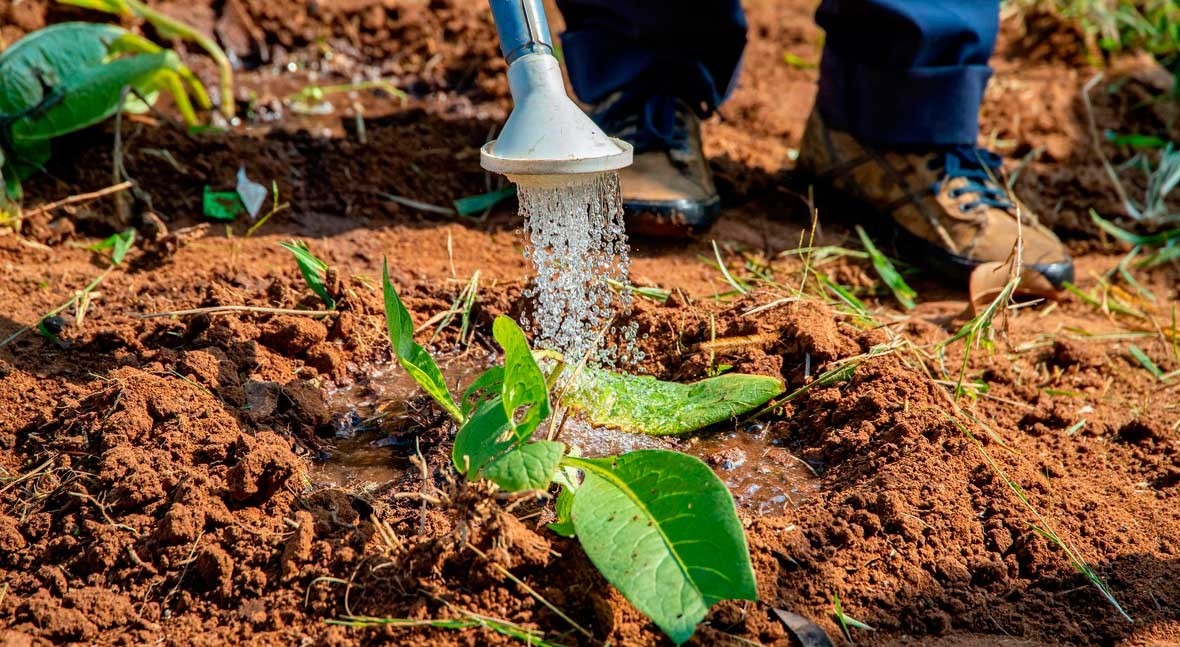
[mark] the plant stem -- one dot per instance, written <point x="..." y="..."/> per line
<point x="220" y="310"/>
<point x="186" y="32"/>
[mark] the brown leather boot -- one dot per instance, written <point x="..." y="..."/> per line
<point x="946" y="205"/>
<point x="668" y="192"/>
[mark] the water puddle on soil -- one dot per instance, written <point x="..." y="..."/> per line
<point x="368" y="452"/>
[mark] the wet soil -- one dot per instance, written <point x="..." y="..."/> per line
<point x="211" y="479"/>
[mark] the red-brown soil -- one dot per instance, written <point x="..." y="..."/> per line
<point x="158" y="476"/>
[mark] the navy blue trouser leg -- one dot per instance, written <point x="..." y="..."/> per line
<point x="906" y="71"/>
<point x="893" y="71"/>
<point x="689" y="49"/>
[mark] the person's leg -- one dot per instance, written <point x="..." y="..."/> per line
<point x="651" y="69"/>
<point x="906" y="71"/>
<point x="688" y="49"/>
<point x="896" y="122"/>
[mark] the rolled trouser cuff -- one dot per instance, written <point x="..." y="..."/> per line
<point x="911" y="106"/>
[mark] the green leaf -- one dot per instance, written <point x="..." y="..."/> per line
<point x="490" y="381"/>
<point x="904" y="294"/>
<point x="484" y="435"/>
<point x="12" y="188"/>
<point x="225" y="206"/>
<point x="564" y="507"/>
<point x="528" y="467"/>
<point x="87" y="98"/>
<point x="474" y="204"/>
<point x="313" y="269"/>
<point x="525" y="392"/>
<point x="412" y="357"/>
<point x="644" y="404"/>
<point x="661" y="527"/>
<point x="34" y="66"/>
<point x="120" y="243"/>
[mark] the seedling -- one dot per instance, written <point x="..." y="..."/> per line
<point x="846" y="621"/>
<point x="659" y="525"/>
<point x="69" y="76"/>
<point x="978" y="332"/>
<point x="313" y="269"/>
<point x="48" y="324"/>
<point x="310" y="97"/>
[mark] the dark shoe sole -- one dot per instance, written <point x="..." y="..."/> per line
<point x="670" y="219"/>
<point x="950" y="267"/>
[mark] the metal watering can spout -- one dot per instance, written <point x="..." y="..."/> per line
<point x="546" y="134"/>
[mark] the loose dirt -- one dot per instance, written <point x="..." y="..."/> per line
<point x="186" y="481"/>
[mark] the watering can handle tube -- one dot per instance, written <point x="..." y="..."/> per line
<point x="522" y="28"/>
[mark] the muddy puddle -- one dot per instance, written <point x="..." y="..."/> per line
<point x="371" y="450"/>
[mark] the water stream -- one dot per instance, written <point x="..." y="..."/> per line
<point x="573" y="226"/>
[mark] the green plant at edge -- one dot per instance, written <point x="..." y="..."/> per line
<point x="72" y="75"/>
<point x="171" y="28"/>
<point x="659" y="525"/>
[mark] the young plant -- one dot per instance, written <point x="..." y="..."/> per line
<point x="314" y="271"/>
<point x="73" y="75"/>
<point x="659" y="525"/>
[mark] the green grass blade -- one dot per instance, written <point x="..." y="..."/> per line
<point x="901" y="290"/>
<point x="1143" y="359"/>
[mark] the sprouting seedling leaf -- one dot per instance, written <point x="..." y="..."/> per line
<point x="313" y="269"/>
<point x="1146" y="362"/>
<point x="639" y="519"/>
<point x="647" y="405"/>
<point x="528" y="467"/>
<point x="225" y="206"/>
<point x="119" y="243"/>
<point x="845" y="621"/>
<point x="901" y="290"/>
<point x="490" y="381"/>
<point x="474" y="204"/>
<point x="524" y="390"/>
<point x="484" y="435"/>
<point x="563" y="508"/>
<point x="412" y="357"/>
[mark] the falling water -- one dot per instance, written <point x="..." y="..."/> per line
<point x="578" y="247"/>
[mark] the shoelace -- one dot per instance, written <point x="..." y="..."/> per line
<point x="660" y="124"/>
<point x="980" y="168"/>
